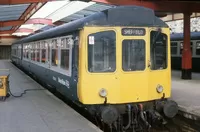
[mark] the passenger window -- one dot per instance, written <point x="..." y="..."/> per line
<point x="43" y="52"/>
<point x="27" y="51"/>
<point x="174" y="48"/>
<point x="33" y="52"/>
<point x="181" y="47"/>
<point x="19" y="50"/>
<point x="65" y="49"/>
<point x="133" y="55"/>
<point x="198" y="48"/>
<point x="102" y="52"/>
<point x="54" y="53"/>
<point x="37" y="52"/>
<point x="24" y="51"/>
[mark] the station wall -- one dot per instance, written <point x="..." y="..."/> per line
<point x="5" y="47"/>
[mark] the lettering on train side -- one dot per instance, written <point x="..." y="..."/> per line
<point x="63" y="82"/>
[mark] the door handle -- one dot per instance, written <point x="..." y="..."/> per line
<point x="149" y="63"/>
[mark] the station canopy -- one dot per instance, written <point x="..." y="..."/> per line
<point x="26" y="19"/>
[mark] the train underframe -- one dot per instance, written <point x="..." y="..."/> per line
<point x="135" y="117"/>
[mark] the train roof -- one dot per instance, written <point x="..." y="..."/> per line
<point x="179" y="36"/>
<point x="116" y="16"/>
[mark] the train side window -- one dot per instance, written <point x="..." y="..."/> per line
<point x="65" y="51"/>
<point x="27" y="51"/>
<point x="19" y="50"/>
<point x="16" y="50"/>
<point x="54" y="53"/>
<point x="33" y="52"/>
<point x="24" y="51"/>
<point x="133" y="55"/>
<point x="198" y="48"/>
<point x="37" y="52"/>
<point x="43" y="52"/>
<point x="191" y="47"/>
<point x="174" y="48"/>
<point x="181" y="47"/>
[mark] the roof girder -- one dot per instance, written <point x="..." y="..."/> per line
<point x="12" y="2"/>
<point x="6" y="32"/>
<point x="165" y="6"/>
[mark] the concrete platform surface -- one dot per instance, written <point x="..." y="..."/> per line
<point x="187" y="93"/>
<point x="37" y="111"/>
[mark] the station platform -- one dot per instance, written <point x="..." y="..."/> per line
<point x="187" y="94"/>
<point x="37" y="111"/>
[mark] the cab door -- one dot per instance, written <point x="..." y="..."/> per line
<point x="160" y="66"/>
<point x="98" y="66"/>
<point x="134" y="71"/>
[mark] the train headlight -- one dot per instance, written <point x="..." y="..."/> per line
<point x="1" y="82"/>
<point x="103" y="92"/>
<point x="159" y="89"/>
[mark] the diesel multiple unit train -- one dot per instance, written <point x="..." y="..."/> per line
<point x="115" y="63"/>
<point x="177" y="47"/>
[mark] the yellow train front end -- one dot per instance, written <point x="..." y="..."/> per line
<point x="126" y="71"/>
<point x="124" y="65"/>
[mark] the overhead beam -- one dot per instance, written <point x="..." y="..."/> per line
<point x="29" y="12"/>
<point x="39" y="21"/>
<point x="10" y="37"/>
<point x="12" y="2"/>
<point x="178" y="16"/>
<point x="11" y="23"/>
<point x="6" y="32"/>
<point x="165" y="6"/>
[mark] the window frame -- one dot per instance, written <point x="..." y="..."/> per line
<point x="57" y="48"/>
<point x="48" y="42"/>
<point x="37" y="43"/>
<point x="177" y="48"/>
<point x="87" y="42"/>
<point x="43" y="46"/>
<point x="195" y="48"/>
<point x="191" y="47"/>
<point x="145" y="56"/>
<point x="167" y="51"/>
<point x="69" y="71"/>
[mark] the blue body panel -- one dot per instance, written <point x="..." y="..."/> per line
<point x="179" y="36"/>
<point x="60" y="81"/>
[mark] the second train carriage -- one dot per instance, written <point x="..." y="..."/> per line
<point x="177" y="47"/>
<point x="114" y="63"/>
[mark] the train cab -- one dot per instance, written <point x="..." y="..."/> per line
<point x="127" y="64"/>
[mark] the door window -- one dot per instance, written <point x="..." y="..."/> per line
<point x="133" y="55"/>
<point x="102" y="52"/>
<point x="158" y="50"/>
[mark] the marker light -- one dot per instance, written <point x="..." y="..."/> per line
<point x="103" y="93"/>
<point x="159" y="89"/>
